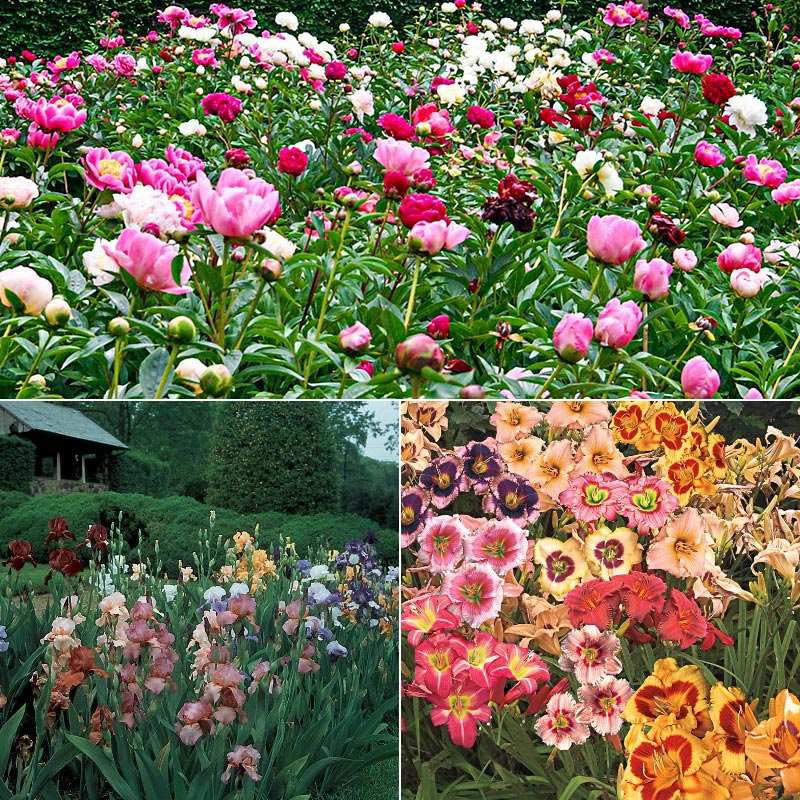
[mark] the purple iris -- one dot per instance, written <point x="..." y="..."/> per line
<point x="441" y="478"/>
<point x="303" y="565"/>
<point x="512" y="497"/>
<point x="335" y="650"/>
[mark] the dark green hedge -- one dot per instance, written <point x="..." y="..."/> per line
<point x="17" y="463"/>
<point x="175" y="522"/>
<point x="59" y="28"/>
<point x="139" y="473"/>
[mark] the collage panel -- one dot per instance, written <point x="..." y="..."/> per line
<point x="599" y="599"/>
<point x="198" y="601"/>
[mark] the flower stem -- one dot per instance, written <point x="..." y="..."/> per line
<point x="35" y="364"/>
<point x="550" y="378"/>
<point x="595" y="282"/>
<point x="251" y="311"/>
<point x="413" y="295"/>
<point x="165" y="377"/>
<point x="683" y="355"/>
<point x="785" y="364"/>
<point x="326" y="296"/>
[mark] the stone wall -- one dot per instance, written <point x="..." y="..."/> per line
<point x="52" y="486"/>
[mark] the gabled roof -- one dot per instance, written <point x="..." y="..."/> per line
<point x="49" y="416"/>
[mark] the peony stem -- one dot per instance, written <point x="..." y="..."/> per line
<point x="162" y="385"/>
<point x="413" y="295"/>
<point x="550" y="378"/>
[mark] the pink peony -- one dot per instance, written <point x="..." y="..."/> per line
<point x="685" y="260"/>
<point x="708" y="155"/>
<point x="292" y="161"/>
<point x="57" y="115"/>
<point x="684" y="61"/>
<point x="739" y="256"/>
<point x="725" y="214"/>
<point x="651" y="278"/>
<point x="107" y="170"/>
<point x="355" y="339"/>
<point x="400" y="156"/>
<point x="745" y="282"/>
<point x="613" y="239"/>
<point x="786" y="193"/>
<point x="148" y="260"/>
<point x="699" y="379"/>
<point x="618" y="323"/>
<point x="572" y="337"/>
<point x="239" y="205"/>
<point x="433" y="237"/>
<point x="766" y="172"/>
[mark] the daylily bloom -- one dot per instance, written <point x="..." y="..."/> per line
<point x="680" y="548"/>
<point x="441" y="545"/>
<point x="590" y="653"/>
<point x="732" y="718"/>
<point x="426" y="615"/>
<point x="592" y="603"/>
<point x="461" y="710"/>
<point x="441" y="479"/>
<point x="522" y="665"/>
<point x="477" y="592"/>
<point x="575" y="414"/>
<point x="512" y="497"/>
<point x="513" y="420"/>
<point x="606" y="700"/>
<point x="481" y="463"/>
<point x="478" y="658"/>
<point x="551" y="469"/>
<point x="681" y="621"/>
<point x="640" y="594"/>
<point x="435" y="658"/>
<point x="563" y="565"/>
<point x="501" y="543"/>
<point x="648" y="504"/>
<point x="597" y="453"/>
<point x="773" y="743"/>
<point x="564" y="723"/>
<point x="414" y="514"/>
<point x="679" y="695"/>
<point x="611" y="552"/>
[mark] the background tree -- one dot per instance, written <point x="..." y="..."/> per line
<point x="275" y="457"/>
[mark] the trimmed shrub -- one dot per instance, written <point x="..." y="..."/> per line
<point x="139" y="473"/>
<point x="274" y="457"/>
<point x="58" y="29"/>
<point x="17" y="464"/>
<point x="11" y="500"/>
<point x="175" y="522"/>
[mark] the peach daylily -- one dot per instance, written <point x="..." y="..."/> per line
<point x="680" y="549"/>
<point x="414" y="452"/>
<point x="547" y="624"/>
<point x="431" y="415"/>
<point x="597" y="453"/>
<point x="574" y="414"/>
<point x="520" y="454"/>
<point x="551" y="469"/>
<point x="513" y="419"/>
<point x="782" y="555"/>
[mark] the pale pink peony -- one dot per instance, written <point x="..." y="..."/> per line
<point x="433" y="237"/>
<point x="572" y="337"/>
<point x="684" y="259"/>
<point x="739" y="256"/>
<point x="786" y="192"/>
<point x="613" y="239"/>
<point x="239" y="205"/>
<point x="725" y="214"/>
<point x="32" y="290"/>
<point x="745" y="282"/>
<point x="399" y="156"/>
<point x="651" y="278"/>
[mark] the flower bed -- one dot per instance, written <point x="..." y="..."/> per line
<point x="598" y="602"/>
<point x="255" y="674"/>
<point x="219" y="209"/>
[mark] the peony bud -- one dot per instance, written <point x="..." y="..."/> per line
<point x="439" y="327"/>
<point x="182" y="330"/>
<point x="355" y="339"/>
<point x="698" y="379"/>
<point x="58" y="312"/>
<point x="417" y="352"/>
<point x="217" y="380"/>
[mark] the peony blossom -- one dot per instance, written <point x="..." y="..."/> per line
<point x="684" y="61"/>
<point x="148" y="260"/>
<point x="618" y="323"/>
<point x="33" y="291"/>
<point x="766" y="172"/>
<point x="746" y="283"/>
<point x="786" y="192"/>
<point x="572" y="337"/>
<point x="708" y="155"/>
<point x="613" y="239"/>
<point x="400" y="156"/>
<point x="739" y="256"/>
<point x="16" y="193"/>
<point x="745" y="112"/>
<point x="725" y="214"/>
<point x="433" y="237"/>
<point x="698" y="379"/>
<point x="651" y="278"/>
<point x="685" y="260"/>
<point x="239" y="204"/>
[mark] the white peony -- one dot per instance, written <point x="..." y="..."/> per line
<point x="287" y="20"/>
<point x="148" y="206"/>
<point x="102" y="268"/>
<point x="363" y="103"/>
<point x="746" y="111"/>
<point x="380" y="19"/>
<point x="585" y="163"/>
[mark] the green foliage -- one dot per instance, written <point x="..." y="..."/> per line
<point x="17" y="463"/>
<point x="139" y="473"/>
<point x="274" y="457"/>
<point x="175" y="522"/>
<point x="370" y="488"/>
<point x="65" y="27"/>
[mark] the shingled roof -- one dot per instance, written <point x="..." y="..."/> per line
<point x="55" y="417"/>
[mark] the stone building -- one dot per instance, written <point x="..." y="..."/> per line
<point x="72" y="451"/>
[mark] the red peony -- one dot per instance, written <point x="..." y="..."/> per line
<point x="221" y="105"/>
<point x="395" y="184"/>
<point x="482" y="117"/>
<point x="397" y="127"/>
<point x="717" y="89"/>
<point x="421" y="208"/>
<point x="292" y="161"/>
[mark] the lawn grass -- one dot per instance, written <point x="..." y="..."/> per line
<point x="31" y="574"/>
<point x="380" y="781"/>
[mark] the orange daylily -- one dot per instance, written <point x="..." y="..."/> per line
<point x="688" y="477"/>
<point x="775" y="742"/>
<point x="678" y="695"/>
<point x="667" y="764"/>
<point x="513" y="419"/>
<point x="732" y="717"/>
<point x="630" y="423"/>
<point x="670" y="431"/>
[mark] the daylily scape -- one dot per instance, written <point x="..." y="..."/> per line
<point x="226" y="206"/>
<point x="599" y="602"/>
